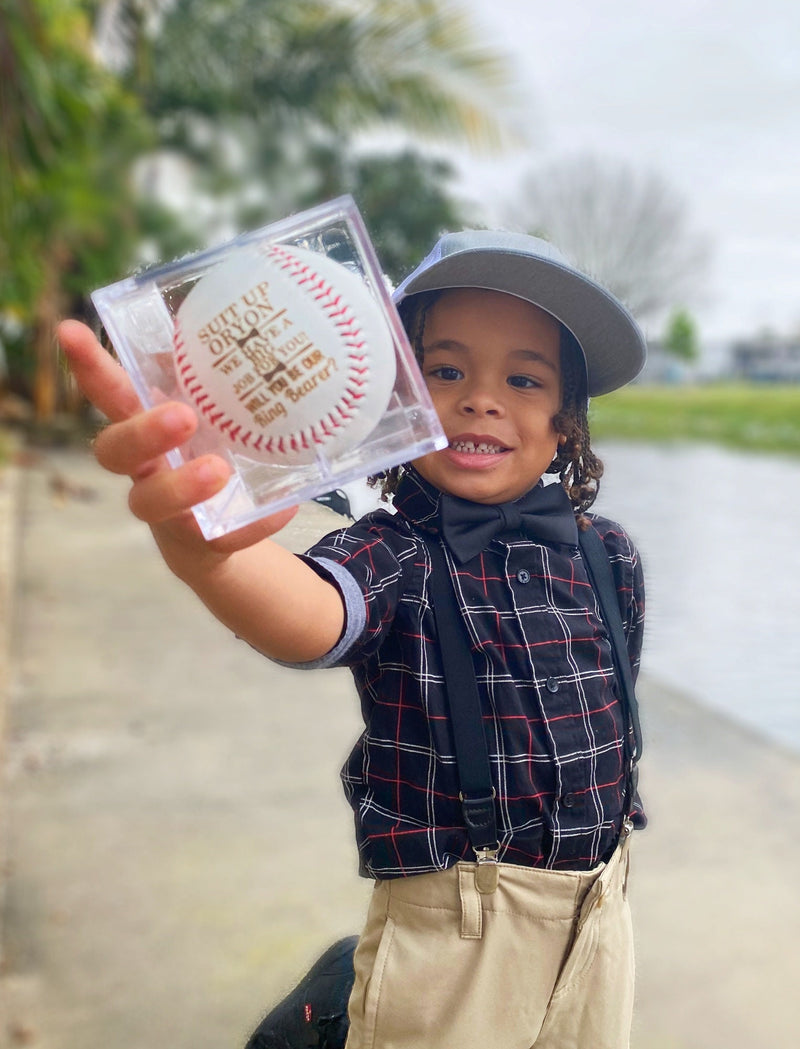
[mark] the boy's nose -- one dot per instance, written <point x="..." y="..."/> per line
<point x="481" y="401"/>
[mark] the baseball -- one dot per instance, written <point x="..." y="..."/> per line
<point x="285" y="353"/>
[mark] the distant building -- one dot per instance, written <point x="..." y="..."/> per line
<point x="759" y="358"/>
<point x="764" y="358"/>
<point x="713" y="364"/>
<point x="767" y="359"/>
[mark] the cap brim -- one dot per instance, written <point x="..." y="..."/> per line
<point x="612" y="343"/>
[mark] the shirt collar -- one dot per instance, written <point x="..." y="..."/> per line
<point x="417" y="500"/>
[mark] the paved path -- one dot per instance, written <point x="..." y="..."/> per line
<point x="179" y="849"/>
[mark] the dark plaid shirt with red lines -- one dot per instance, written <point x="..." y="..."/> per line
<point x="544" y="669"/>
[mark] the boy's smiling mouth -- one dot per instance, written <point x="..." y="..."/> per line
<point x="481" y="447"/>
<point x="477" y="444"/>
<point x="469" y="450"/>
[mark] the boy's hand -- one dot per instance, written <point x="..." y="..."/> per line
<point x="135" y="443"/>
<point x="261" y="591"/>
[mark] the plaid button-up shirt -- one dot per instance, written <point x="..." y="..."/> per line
<point x="543" y="663"/>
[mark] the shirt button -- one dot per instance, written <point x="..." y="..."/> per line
<point x="569" y="801"/>
<point x="552" y="685"/>
<point x="523" y="576"/>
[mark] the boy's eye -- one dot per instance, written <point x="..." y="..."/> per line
<point x="523" y="382"/>
<point x="446" y="372"/>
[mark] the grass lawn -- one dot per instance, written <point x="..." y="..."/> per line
<point x="762" y="418"/>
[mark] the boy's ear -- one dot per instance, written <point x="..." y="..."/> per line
<point x="562" y="439"/>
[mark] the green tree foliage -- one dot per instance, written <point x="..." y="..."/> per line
<point x="264" y="98"/>
<point x="260" y="102"/>
<point x="67" y="135"/>
<point x="406" y="198"/>
<point x="406" y="202"/>
<point x="341" y="64"/>
<point x="680" y="337"/>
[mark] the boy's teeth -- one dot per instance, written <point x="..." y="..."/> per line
<point x="479" y="449"/>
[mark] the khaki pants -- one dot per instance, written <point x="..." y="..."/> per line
<point x="449" y="961"/>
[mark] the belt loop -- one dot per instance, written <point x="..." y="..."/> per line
<point x="471" y="908"/>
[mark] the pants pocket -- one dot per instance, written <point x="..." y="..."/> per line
<point x="411" y="981"/>
<point x="372" y="992"/>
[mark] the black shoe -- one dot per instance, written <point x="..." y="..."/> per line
<point x="314" y="1014"/>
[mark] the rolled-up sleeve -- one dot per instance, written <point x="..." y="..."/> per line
<point x="368" y="564"/>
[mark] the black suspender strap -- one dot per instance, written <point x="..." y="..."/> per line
<point x="601" y="577"/>
<point x="472" y="752"/>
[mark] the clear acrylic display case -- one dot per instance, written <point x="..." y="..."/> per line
<point x="141" y="315"/>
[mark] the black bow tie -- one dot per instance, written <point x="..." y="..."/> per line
<point x="544" y="514"/>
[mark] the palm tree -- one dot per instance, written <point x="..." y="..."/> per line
<point x="254" y="92"/>
<point x="416" y="64"/>
<point x="250" y="92"/>
<point x="62" y="197"/>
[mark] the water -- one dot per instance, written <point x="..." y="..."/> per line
<point x="717" y="531"/>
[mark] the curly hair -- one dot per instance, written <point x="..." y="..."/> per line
<point x="579" y="469"/>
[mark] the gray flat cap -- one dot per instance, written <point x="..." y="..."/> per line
<point x="533" y="269"/>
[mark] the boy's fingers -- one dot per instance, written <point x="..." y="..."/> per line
<point x="103" y="381"/>
<point x="167" y="494"/>
<point x="136" y="441"/>
<point x="129" y="446"/>
<point x="135" y="438"/>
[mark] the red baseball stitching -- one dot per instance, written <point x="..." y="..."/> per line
<point x="346" y="325"/>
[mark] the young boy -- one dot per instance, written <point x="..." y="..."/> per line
<point x="511" y="340"/>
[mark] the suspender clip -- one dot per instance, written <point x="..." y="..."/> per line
<point x="487" y="855"/>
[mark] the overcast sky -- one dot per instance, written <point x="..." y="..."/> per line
<point x="704" y="92"/>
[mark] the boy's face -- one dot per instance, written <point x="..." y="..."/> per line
<point x="493" y="368"/>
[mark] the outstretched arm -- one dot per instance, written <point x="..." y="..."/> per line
<point x="259" y="590"/>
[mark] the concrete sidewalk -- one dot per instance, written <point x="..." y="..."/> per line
<point x="179" y="849"/>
